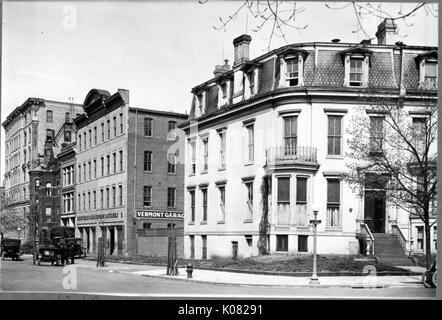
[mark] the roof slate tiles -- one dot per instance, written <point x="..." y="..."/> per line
<point x="381" y="71"/>
<point x="329" y="70"/>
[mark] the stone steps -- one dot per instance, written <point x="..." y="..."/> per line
<point x="389" y="250"/>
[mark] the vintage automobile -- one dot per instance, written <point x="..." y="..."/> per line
<point x="50" y="254"/>
<point x="429" y="278"/>
<point x="77" y="249"/>
<point x="10" y="248"/>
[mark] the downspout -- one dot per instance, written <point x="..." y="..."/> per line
<point x="401" y="69"/>
<point x="134" y="221"/>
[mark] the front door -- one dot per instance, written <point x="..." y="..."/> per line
<point x="374" y="213"/>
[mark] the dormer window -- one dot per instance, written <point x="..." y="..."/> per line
<point x="224" y="90"/>
<point x="431" y="73"/>
<point x="200" y="103"/>
<point x="427" y="63"/>
<point x="356" y="72"/>
<point x="356" y="66"/>
<point x="292" y="75"/>
<point x="292" y="67"/>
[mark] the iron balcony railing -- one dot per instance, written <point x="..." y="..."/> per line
<point x="287" y="154"/>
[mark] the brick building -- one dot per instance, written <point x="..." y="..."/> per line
<point x="67" y="160"/>
<point x="125" y="185"/>
<point x="267" y="138"/>
<point x="44" y="182"/>
<point x="27" y="129"/>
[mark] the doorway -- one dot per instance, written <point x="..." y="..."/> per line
<point x="112" y="241"/>
<point x="374" y="210"/>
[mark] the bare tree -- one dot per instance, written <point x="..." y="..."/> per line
<point x="283" y="16"/>
<point x="396" y="153"/>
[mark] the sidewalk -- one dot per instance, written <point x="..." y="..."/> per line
<point x="249" y="279"/>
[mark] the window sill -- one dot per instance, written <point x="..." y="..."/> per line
<point x="192" y="175"/>
<point x="203" y="222"/>
<point x="203" y="172"/>
<point x="334" y="229"/>
<point x="249" y="164"/>
<point x="248" y="221"/>
<point x="340" y="157"/>
<point x="149" y="137"/>
<point x="221" y="169"/>
<point x="171" y="174"/>
<point x="191" y="223"/>
<point x="221" y="222"/>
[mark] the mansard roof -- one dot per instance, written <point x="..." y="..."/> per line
<point x="324" y="69"/>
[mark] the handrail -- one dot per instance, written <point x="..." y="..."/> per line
<point x="369" y="236"/>
<point x="397" y="231"/>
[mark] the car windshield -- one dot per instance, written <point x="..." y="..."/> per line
<point x="11" y="242"/>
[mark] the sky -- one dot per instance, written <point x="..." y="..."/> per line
<point x="156" y="50"/>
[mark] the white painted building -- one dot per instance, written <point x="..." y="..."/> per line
<point x="280" y="120"/>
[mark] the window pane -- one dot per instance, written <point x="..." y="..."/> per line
<point x="431" y="69"/>
<point x="337" y="146"/>
<point x="333" y="190"/>
<point x="301" y="189"/>
<point x="284" y="189"/>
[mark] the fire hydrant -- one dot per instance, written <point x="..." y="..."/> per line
<point x="189" y="270"/>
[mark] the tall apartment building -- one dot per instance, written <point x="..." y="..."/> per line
<point x="124" y="181"/>
<point x="27" y="129"/>
<point x="267" y="138"/>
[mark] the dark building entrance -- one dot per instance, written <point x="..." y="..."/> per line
<point x="374" y="211"/>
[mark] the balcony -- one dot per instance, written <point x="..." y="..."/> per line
<point x="292" y="156"/>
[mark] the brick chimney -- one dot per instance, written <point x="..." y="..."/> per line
<point x="241" y="45"/>
<point x="386" y="32"/>
<point x="220" y="69"/>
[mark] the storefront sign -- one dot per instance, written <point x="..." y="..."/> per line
<point x="152" y="214"/>
<point x="111" y="215"/>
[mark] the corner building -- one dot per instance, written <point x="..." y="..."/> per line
<point x="124" y="181"/>
<point x="266" y="139"/>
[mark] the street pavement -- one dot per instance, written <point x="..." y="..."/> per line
<point x="23" y="280"/>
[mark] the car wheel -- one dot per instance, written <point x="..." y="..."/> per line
<point x="434" y="279"/>
<point x="424" y="280"/>
<point x="39" y="261"/>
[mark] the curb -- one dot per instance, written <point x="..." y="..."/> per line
<point x="283" y="273"/>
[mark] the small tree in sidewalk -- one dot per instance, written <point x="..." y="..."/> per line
<point x="392" y="148"/>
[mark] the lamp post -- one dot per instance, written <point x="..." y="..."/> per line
<point x="314" y="279"/>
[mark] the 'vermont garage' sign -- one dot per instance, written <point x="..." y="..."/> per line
<point x="153" y="214"/>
